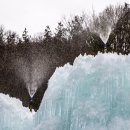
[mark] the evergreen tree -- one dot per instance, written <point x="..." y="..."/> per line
<point x="11" y="37"/>
<point x="47" y="35"/>
<point x="25" y="36"/>
<point x="119" y="39"/>
<point x="60" y="34"/>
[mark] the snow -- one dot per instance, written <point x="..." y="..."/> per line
<point x="93" y="94"/>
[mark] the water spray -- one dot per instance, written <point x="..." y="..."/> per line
<point x="32" y="91"/>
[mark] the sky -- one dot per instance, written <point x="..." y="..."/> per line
<point x="35" y="15"/>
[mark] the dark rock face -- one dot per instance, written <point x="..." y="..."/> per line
<point x="119" y="39"/>
<point x="20" y="64"/>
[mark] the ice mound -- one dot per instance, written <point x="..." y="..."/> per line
<point x="13" y="116"/>
<point x="93" y="94"/>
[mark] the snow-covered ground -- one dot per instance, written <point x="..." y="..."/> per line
<point x="93" y="94"/>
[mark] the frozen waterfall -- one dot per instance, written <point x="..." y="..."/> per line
<point x="93" y="94"/>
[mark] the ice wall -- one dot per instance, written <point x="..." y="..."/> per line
<point x="93" y="94"/>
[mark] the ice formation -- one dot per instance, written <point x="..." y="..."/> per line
<point x="93" y="94"/>
<point x="13" y="116"/>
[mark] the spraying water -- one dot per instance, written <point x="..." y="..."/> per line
<point x="33" y="71"/>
